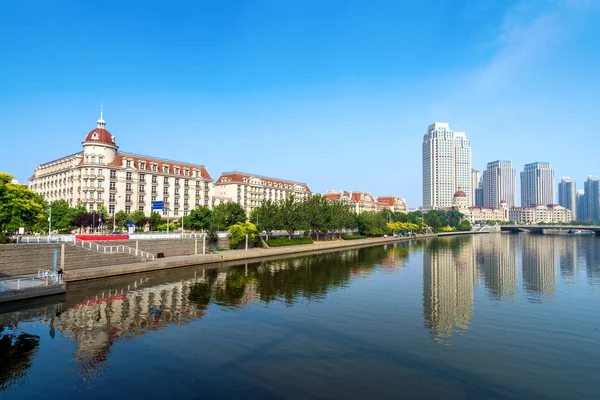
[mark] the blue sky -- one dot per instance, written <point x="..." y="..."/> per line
<point x="336" y="94"/>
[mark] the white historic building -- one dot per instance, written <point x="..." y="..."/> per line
<point x="250" y="191"/>
<point x="101" y="175"/>
<point x="358" y="201"/>
<point x="552" y="213"/>
<point x="460" y="203"/>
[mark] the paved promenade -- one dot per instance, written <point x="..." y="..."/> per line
<point x="228" y="256"/>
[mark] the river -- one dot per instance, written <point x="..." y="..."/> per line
<point x="498" y="316"/>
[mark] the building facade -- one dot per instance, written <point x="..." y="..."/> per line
<point x="580" y="199"/>
<point x="592" y="199"/>
<point x="499" y="183"/>
<point x="358" y="201"/>
<point x="446" y="165"/>
<point x="393" y="204"/>
<point x="475" y="180"/>
<point x="537" y="184"/>
<point x="249" y="190"/>
<point x="567" y="194"/>
<point x="476" y="214"/>
<point x="102" y="176"/>
<point x="550" y="214"/>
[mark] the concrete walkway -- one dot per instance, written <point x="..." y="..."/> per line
<point x="227" y="256"/>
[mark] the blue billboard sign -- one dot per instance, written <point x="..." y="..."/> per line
<point x="157" y="205"/>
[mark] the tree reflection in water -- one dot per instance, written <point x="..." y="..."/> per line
<point x="16" y="354"/>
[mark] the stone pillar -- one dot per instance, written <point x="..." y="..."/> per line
<point x="196" y="245"/>
<point x="203" y="244"/>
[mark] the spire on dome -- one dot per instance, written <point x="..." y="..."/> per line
<point x="100" y="122"/>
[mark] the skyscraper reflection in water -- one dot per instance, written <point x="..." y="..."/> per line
<point x="447" y="286"/>
<point x="538" y="254"/>
<point x="497" y="257"/>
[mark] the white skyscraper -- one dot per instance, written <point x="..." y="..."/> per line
<point x="446" y="165"/>
<point x="499" y="183"/>
<point x="537" y="184"/>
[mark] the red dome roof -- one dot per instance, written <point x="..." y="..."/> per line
<point x="503" y="202"/>
<point x="460" y="193"/>
<point x="100" y="135"/>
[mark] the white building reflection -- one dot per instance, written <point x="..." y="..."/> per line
<point x="447" y="288"/>
<point x="538" y="254"/>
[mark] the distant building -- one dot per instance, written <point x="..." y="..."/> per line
<point x="567" y="194"/>
<point x="592" y="198"/>
<point x="479" y="194"/>
<point x="392" y="203"/>
<point x="499" y="184"/>
<point x="475" y="181"/>
<point x="358" y="201"/>
<point x="250" y="190"/>
<point x="531" y="215"/>
<point x="537" y="184"/>
<point x="101" y="175"/>
<point x="446" y="165"/>
<point x="475" y="214"/>
<point x="580" y="199"/>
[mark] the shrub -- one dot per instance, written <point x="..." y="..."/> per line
<point x="289" y="242"/>
<point x="353" y="237"/>
<point x="4" y="238"/>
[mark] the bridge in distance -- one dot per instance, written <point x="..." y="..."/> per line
<point x="541" y="228"/>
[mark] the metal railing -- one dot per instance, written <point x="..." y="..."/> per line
<point x="43" y="278"/>
<point x="116" y="249"/>
<point x="47" y="239"/>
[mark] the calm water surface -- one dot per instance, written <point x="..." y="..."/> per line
<point x="487" y="317"/>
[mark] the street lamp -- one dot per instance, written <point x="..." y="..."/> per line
<point x="49" y="220"/>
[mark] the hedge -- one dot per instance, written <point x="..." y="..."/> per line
<point x="288" y="242"/>
<point x="353" y="237"/>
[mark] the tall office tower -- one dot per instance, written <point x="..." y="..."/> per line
<point x="592" y="198"/>
<point x="567" y="194"/>
<point x="537" y="184"/>
<point x="499" y="184"/>
<point x="479" y="194"/>
<point x="580" y="205"/>
<point x="446" y="165"/>
<point x="475" y="179"/>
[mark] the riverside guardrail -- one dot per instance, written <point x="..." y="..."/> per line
<point x="114" y="249"/>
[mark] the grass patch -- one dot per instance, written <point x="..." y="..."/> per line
<point x="288" y="242"/>
<point x="353" y="237"/>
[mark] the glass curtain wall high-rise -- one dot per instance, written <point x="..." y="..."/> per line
<point x="499" y="183"/>
<point x="592" y="198"/>
<point x="567" y="194"/>
<point x="537" y="184"/>
<point x="446" y="165"/>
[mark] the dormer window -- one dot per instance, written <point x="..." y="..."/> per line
<point x="176" y="171"/>
<point x="143" y="166"/>
<point x="154" y="167"/>
<point x="128" y="163"/>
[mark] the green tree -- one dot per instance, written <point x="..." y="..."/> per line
<point x="122" y="218"/>
<point x="19" y="206"/>
<point x="314" y="210"/>
<point x="199" y="218"/>
<point x="464" y="226"/>
<point x="154" y="220"/>
<point x="237" y="233"/>
<point x="226" y="214"/>
<point x="267" y="216"/>
<point x="339" y="216"/>
<point x="139" y="219"/>
<point x="371" y="223"/>
<point x="291" y="215"/>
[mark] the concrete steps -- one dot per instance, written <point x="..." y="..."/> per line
<point x="25" y="259"/>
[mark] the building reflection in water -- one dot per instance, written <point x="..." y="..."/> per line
<point x="448" y="275"/>
<point x="567" y="250"/>
<point x="497" y="257"/>
<point x="96" y="323"/>
<point x="592" y="259"/>
<point x="538" y="255"/>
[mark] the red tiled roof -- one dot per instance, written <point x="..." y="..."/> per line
<point x="100" y="135"/>
<point x="238" y="177"/>
<point x="332" y="196"/>
<point x="460" y="193"/>
<point x="357" y="197"/>
<point x="118" y="161"/>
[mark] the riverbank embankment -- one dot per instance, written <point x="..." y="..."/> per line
<point x="228" y="256"/>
